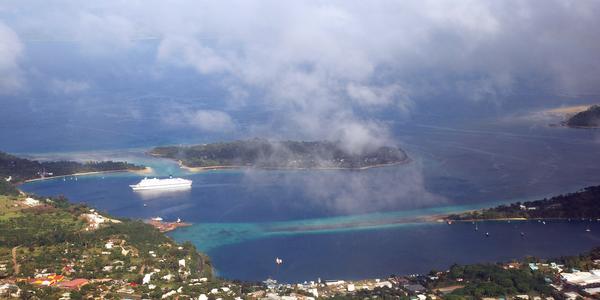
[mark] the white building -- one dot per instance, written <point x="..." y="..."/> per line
<point x="582" y="279"/>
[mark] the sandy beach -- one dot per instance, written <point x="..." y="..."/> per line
<point x="145" y="171"/>
<point x="234" y="167"/>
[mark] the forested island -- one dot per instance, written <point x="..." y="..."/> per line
<point x="589" y="118"/>
<point x="21" y="169"/>
<point x="584" y="204"/>
<point x="262" y="153"/>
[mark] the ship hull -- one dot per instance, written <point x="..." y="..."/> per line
<point x="161" y="187"/>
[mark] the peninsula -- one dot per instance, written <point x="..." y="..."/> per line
<point x="17" y="169"/>
<point x="583" y="204"/>
<point x="262" y="153"/>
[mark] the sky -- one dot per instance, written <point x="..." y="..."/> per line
<point x="337" y="70"/>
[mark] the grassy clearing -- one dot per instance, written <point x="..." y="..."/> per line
<point x="9" y="208"/>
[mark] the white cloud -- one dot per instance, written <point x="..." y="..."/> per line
<point x="104" y="34"/>
<point x="11" y="50"/>
<point x="204" y="120"/>
<point x="320" y="63"/>
<point x="185" y="51"/>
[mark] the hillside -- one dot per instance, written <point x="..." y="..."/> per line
<point x="584" y="204"/>
<point x="588" y="118"/>
<point x="279" y="154"/>
<point x="21" y="169"/>
<point x="65" y="244"/>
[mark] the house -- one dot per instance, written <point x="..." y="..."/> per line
<point x="334" y="282"/>
<point x="31" y="202"/>
<point x="147" y="278"/>
<point x="169" y="294"/>
<point x="384" y="284"/>
<point x="582" y="279"/>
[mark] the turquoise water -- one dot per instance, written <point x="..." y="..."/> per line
<point x="348" y="224"/>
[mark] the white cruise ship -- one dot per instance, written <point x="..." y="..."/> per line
<point x="161" y="184"/>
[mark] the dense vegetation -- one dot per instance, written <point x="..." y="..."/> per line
<point x="52" y="235"/>
<point x="587" y="118"/>
<point x="584" y="204"/>
<point x="278" y="154"/>
<point x="490" y="280"/>
<point x="6" y="188"/>
<point x="21" y="169"/>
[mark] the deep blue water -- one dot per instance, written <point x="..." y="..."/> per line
<point x="403" y="250"/>
<point x="344" y="224"/>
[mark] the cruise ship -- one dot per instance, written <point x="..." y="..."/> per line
<point x="161" y="184"/>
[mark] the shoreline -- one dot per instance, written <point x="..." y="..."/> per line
<point x="238" y="167"/>
<point x="164" y="226"/>
<point x="146" y="170"/>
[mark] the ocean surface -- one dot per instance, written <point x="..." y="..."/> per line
<point x="355" y="224"/>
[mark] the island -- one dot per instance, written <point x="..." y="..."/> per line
<point x="262" y="153"/>
<point x="589" y="118"/>
<point x="583" y="204"/>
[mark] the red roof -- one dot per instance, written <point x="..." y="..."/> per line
<point x="74" y="284"/>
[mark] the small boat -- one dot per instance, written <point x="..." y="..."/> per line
<point x="145" y="204"/>
<point x="588" y="230"/>
<point x="487" y="234"/>
<point x="278" y="261"/>
<point x="158" y="219"/>
<point x="522" y="233"/>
